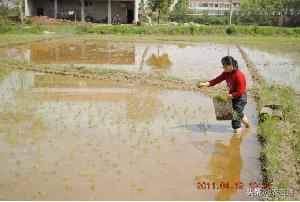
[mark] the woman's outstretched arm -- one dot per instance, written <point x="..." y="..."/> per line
<point x="213" y="82"/>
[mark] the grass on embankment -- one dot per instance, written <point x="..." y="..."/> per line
<point x="11" y="39"/>
<point x="14" y="27"/>
<point x="191" y="30"/>
<point x="11" y="33"/>
<point x="281" y="140"/>
<point x="21" y="39"/>
<point x="286" y="41"/>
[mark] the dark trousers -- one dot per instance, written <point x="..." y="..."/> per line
<point x="238" y="105"/>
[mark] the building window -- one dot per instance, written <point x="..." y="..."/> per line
<point x="211" y="5"/>
<point x="236" y="5"/>
<point x="200" y="5"/>
<point x="216" y="5"/>
<point x="205" y="5"/>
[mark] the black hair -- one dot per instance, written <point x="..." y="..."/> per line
<point x="229" y="60"/>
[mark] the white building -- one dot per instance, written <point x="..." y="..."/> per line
<point x="100" y="10"/>
<point x="214" y="7"/>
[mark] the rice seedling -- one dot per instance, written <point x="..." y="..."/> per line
<point x="17" y="174"/>
<point x="46" y="178"/>
<point x="140" y="189"/>
<point x="68" y="186"/>
<point x="92" y="177"/>
<point x="119" y="171"/>
<point x="82" y="172"/>
<point x="92" y="187"/>
<point x="56" y="162"/>
<point x="221" y="98"/>
<point x="18" y="162"/>
<point x="158" y="147"/>
<point x="65" y="178"/>
<point x="39" y="194"/>
<point x="103" y="170"/>
<point x="185" y="111"/>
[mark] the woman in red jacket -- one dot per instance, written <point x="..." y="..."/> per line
<point x="236" y="82"/>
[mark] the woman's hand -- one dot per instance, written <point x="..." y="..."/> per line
<point x="206" y="84"/>
<point x="230" y="96"/>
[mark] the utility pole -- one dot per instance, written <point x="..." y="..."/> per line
<point x="230" y="13"/>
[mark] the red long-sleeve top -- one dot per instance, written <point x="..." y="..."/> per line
<point x="235" y="80"/>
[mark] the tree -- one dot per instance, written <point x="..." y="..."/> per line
<point x="20" y="5"/>
<point x="4" y="7"/>
<point x="292" y="7"/>
<point x="264" y="7"/>
<point x="251" y="7"/>
<point x="180" y="10"/>
<point x="160" y="6"/>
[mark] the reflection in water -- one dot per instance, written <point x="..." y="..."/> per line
<point x="225" y="166"/>
<point x="188" y="60"/>
<point x="18" y="120"/>
<point x="74" y="53"/>
<point x="159" y="61"/>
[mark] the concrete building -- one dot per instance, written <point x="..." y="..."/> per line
<point x="214" y="7"/>
<point x="99" y="10"/>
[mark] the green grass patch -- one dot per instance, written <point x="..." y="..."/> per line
<point x="271" y="136"/>
<point x="281" y="95"/>
<point x="233" y="39"/>
<point x="190" y="30"/>
<point x="275" y="133"/>
<point x="19" y="39"/>
<point x="103" y="71"/>
<point x="219" y="30"/>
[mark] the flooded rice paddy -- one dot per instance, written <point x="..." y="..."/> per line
<point x="277" y="64"/>
<point x="65" y="138"/>
<point x="184" y="60"/>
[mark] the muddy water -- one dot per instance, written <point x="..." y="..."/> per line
<point x="277" y="64"/>
<point x="72" y="139"/>
<point x="185" y="60"/>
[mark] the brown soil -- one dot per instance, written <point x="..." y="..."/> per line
<point x="44" y="20"/>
